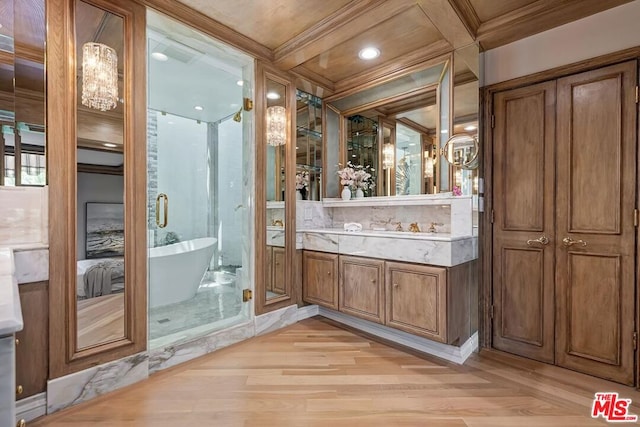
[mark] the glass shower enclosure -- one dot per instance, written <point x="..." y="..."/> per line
<point x="198" y="183"/>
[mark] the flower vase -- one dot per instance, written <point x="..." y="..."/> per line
<point x="359" y="193"/>
<point x="298" y="195"/>
<point x="346" y="193"/>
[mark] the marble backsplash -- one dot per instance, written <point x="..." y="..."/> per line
<point x="389" y="217"/>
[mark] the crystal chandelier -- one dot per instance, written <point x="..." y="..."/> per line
<point x="99" y="76"/>
<point x="388" y="156"/>
<point x="276" y="126"/>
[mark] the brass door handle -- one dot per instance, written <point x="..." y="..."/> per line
<point x="166" y="210"/>
<point x="543" y="240"/>
<point x="568" y="241"/>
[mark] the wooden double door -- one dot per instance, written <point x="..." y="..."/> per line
<point x="564" y="165"/>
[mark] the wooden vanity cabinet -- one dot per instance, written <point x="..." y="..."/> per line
<point x="320" y="279"/>
<point x="32" y="343"/>
<point x="433" y="302"/>
<point x="361" y="286"/>
<point x="278" y="271"/>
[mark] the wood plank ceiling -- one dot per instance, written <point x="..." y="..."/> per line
<point x="319" y="40"/>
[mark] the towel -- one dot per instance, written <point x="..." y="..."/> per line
<point x="352" y="227"/>
<point x="99" y="278"/>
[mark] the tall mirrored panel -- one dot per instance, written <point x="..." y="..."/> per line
<point x="276" y="128"/>
<point x="22" y="93"/>
<point x="100" y="281"/>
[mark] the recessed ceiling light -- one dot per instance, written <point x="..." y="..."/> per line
<point x="109" y="145"/>
<point x="159" y="56"/>
<point x="273" y="95"/>
<point x="444" y="131"/>
<point x="240" y="83"/>
<point x="369" y="53"/>
<point x="199" y="108"/>
<point x="470" y="128"/>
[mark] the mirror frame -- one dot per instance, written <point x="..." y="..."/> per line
<point x="447" y="59"/>
<point x="263" y="305"/>
<point x="65" y="357"/>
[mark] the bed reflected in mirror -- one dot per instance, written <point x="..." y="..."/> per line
<point x="100" y="280"/>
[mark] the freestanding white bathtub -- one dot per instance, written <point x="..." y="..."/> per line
<point x="176" y="270"/>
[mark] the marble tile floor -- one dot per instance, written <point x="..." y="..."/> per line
<point x="215" y="301"/>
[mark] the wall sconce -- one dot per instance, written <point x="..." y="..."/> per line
<point x="99" y="76"/>
<point x="387" y="156"/>
<point x="428" y="165"/>
<point x="276" y="126"/>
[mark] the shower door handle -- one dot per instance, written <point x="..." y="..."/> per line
<point x="166" y="210"/>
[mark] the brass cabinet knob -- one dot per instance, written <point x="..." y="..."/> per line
<point x="373" y="280"/>
<point x="395" y="285"/>
<point x="17" y="341"/>
<point x="21" y="423"/>
<point x="328" y="273"/>
<point x="19" y="390"/>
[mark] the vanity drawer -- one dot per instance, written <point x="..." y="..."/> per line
<point x="320" y="279"/>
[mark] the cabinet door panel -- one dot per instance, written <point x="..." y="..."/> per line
<point x="417" y="299"/>
<point x="278" y="258"/>
<point x="320" y="284"/>
<point x="362" y="288"/>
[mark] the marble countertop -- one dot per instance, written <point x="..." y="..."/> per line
<point x="10" y="310"/>
<point x="439" y="237"/>
<point x="413" y="200"/>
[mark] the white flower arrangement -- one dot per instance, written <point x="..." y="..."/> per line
<point x="302" y="180"/>
<point x="356" y="176"/>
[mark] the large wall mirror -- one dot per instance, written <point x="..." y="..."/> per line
<point x="97" y="140"/>
<point x="398" y="129"/>
<point x="308" y="146"/>
<point x="22" y="93"/>
<point x="276" y="187"/>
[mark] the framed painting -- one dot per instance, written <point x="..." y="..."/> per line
<point x="105" y="230"/>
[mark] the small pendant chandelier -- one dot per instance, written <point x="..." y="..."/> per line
<point x="276" y="126"/>
<point x="99" y="76"/>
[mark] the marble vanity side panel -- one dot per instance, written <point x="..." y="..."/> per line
<point x="32" y="266"/>
<point x="388" y="217"/>
<point x="463" y="251"/>
<point x="275" y="320"/>
<point x="461" y="217"/>
<point x="167" y="357"/>
<point x="85" y="385"/>
<point x="7" y="381"/>
<point x="320" y="242"/>
<point x="311" y="215"/>
<point x="275" y="238"/>
<point x="418" y="251"/>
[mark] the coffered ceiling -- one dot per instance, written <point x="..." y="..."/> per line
<point x="320" y="40"/>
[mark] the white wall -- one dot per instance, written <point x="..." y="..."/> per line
<point x="606" y="32"/>
<point x="93" y="187"/>
<point x="230" y="184"/>
<point x="183" y="168"/>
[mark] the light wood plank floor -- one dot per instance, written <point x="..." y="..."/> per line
<point x="316" y="374"/>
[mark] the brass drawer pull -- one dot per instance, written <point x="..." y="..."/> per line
<point x="19" y="390"/>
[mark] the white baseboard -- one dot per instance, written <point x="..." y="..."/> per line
<point x="31" y="407"/>
<point x="444" y="351"/>
<point x="307" y="311"/>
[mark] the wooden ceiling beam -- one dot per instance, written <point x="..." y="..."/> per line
<point x="444" y="16"/>
<point x="342" y="25"/>
<point x="536" y="17"/>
